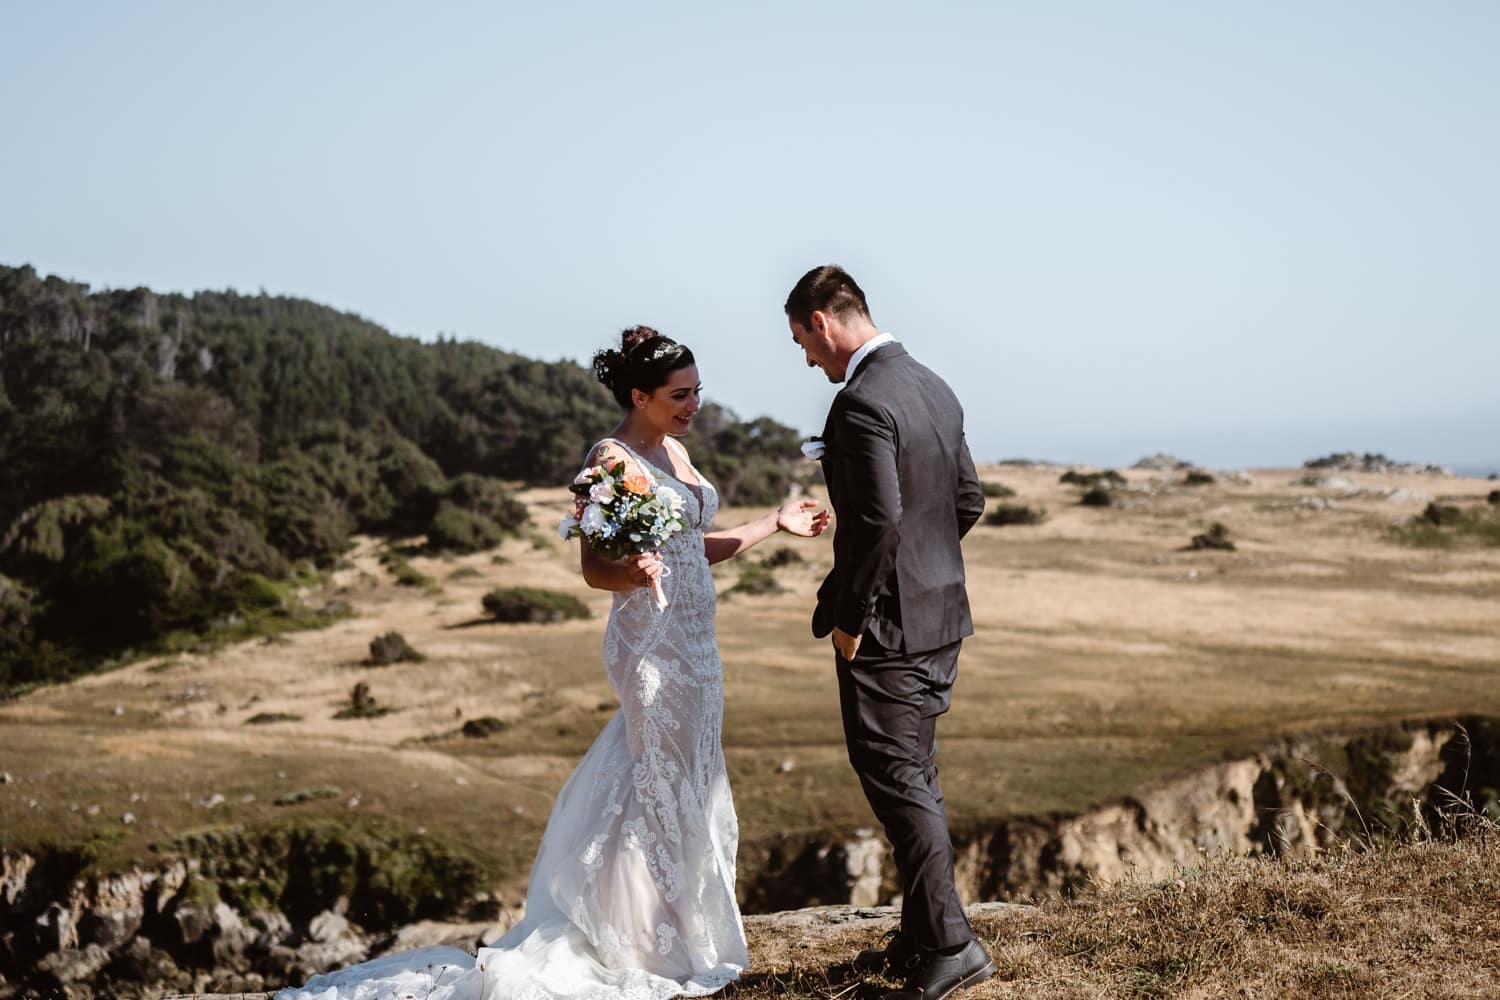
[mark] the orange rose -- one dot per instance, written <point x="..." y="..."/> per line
<point x="637" y="483"/>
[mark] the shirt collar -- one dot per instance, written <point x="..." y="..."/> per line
<point x="865" y="350"/>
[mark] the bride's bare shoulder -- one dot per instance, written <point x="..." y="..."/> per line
<point x="610" y="452"/>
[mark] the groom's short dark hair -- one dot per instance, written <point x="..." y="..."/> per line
<point x="828" y="289"/>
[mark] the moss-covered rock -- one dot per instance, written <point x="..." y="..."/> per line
<point x="390" y="875"/>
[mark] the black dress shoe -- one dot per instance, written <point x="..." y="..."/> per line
<point x="939" y="976"/>
<point x="898" y="951"/>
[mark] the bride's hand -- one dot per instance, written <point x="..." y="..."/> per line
<point x="644" y="567"/>
<point x="800" y="518"/>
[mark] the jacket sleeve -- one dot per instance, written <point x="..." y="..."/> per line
<point x="970" y="493"/>
<point x="869" y="532"/>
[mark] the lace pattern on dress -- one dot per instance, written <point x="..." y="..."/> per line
<point x="631" y="896"/>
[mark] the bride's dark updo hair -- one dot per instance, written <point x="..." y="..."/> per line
<point x="644" y="361"/>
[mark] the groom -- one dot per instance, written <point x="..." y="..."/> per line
<point x="903" y="491"/>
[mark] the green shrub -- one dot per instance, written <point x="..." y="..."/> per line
<point x="303" y="518"/>
<point x="342" y="461"/>
<point x="490" y="498"/>
<point x="305" y="864"/>
<point x="1088" y="480"/>
<point x="415" y="482"/>
<point x="127" y="587"/>
<point x="1197" y="477"/>
<point x="392" y="647"/>
<point x="302" y="795"/>
<point x="486" y="725"/>
<point x="454" y="529"/>
<point x="1216" y="537"/>
<point x="532" y="604"/>
<point x="362" y="705"/>
<point x="756" y="581"/>
<point x="1442" y="526"/>
<point x="265" y="718"/>
<point x="1097" y="496"/>
<point x="781" y="557"/>
<point x="1440" y="514"/>
<point x="253" y="592"/>
<point x="1015" y="513"/>
<point x="42" y="536"/>
<point x="993" y="489"/>
<point x="408" y="575"/>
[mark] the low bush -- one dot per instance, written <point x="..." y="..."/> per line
<point x="302" y="795"/>
<point x="301" y="865"/>
<point x="1089" y="480"/>
<point x="993" y="489"/>
<point x="408" y="575"/>
<point x="1440" y="514"/>
<point x="1443" y="526"/>
<point x="1216" y="537"/>
<point x="1197" y="477"/>
<point x="1097" y="496"/>
<point x="781" y="558"/>
<point x="532" y="604"/>
<point x="1015" y="513"/>
<point x="756" y="581"/>
<point x="266" y="718"/>
<point x="454" y="529"/>
<point x="483" y="726"/>
<point x="362" y="705"/>
<point x="392" y="647"/>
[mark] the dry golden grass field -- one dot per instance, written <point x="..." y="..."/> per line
<point x="1105" y="657"/>
<point x="1403" y="921"/>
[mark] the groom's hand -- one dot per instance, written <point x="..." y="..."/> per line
<point x="846" y="644"/>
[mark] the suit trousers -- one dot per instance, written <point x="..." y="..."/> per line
<point x="890" y="703"/>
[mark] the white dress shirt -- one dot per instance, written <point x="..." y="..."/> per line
<point x="864" y="350"/>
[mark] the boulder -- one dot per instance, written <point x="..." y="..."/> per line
<point x="71" y="966"/>
<point x="232" y="939"/>
<point x="327" y="926"/>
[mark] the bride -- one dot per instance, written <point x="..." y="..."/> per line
<point x="631" y="896"/>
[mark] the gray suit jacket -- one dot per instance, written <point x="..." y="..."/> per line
<point x="904" y="492"/>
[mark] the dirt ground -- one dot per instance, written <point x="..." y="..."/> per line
<point x="1105" y="656"/>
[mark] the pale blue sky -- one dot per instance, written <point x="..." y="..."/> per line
<point x="1248" y="234"/>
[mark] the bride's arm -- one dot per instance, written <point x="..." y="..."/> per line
<point x="627" y="574"/>
<point x="799" y="517"/>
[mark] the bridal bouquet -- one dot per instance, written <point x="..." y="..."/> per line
<point x="623" y="513"/>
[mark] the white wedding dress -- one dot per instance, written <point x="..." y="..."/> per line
<point x="631" y="896"/>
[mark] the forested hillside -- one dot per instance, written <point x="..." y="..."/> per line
<point x="169" y="462"/>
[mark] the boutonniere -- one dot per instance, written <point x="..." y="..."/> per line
<point x="813" y="449"/>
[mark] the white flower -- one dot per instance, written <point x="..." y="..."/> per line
<point x="566" y="525"/>
<point x="671" y="499"/>
<point x="602" y="492"/>
<point x="593" y="519"/>
<point x="813" y="449"/>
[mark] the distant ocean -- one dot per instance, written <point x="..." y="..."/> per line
<point x="1479" y="469"/>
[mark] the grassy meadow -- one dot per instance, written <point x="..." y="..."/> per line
<point x="1106" y="655"/>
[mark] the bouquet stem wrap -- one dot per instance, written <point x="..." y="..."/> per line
<point x="661" y="594"/>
